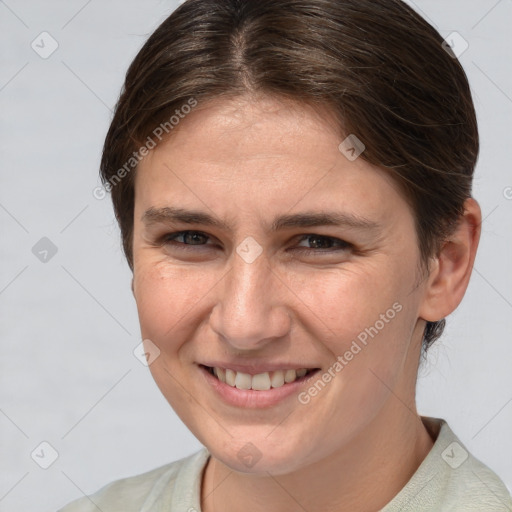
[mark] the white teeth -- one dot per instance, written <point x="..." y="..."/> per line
<point x="260" y="382"/>
<point x="277" y="379"/>
<point x="243" y="380"/>
<point x="290" y="375"/>
<point x="230" y="377"/>
<point x="221" y="374"/>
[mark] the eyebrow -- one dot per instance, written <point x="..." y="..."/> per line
<point x="168" y="215"/>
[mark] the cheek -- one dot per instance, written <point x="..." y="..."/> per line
<point x="166" y="295"/>
<point x="366" y="316"/>
<point x="346" y="302"/>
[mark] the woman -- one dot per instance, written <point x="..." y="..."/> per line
<point x="292" y="180"/>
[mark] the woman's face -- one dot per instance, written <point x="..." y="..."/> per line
<point x="295" y="256"/>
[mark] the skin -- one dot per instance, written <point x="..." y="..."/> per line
<point x="245" y="161"/>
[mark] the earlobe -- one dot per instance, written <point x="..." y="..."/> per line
<point x="449" y="277"/>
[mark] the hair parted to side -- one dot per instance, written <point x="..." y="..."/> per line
<point x="377" y="65"/>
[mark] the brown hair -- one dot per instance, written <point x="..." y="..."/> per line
<point x="378" y="65"/>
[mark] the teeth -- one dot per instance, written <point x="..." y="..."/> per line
<point x="243" y="380"/>
<point x="277" y="379"/>
<point x="290" y="375"/>
<point x="230" y="377"/>
<point x="221" y="374"/>
<point x="261" y="381"/>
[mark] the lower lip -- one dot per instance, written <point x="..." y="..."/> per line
<point x="253" y="399"/>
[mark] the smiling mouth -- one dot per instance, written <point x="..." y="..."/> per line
<point x="261" y="381"/>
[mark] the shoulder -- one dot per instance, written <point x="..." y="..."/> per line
<point x="143" y="491"/>
<point x="473" y="486"/>
<point x="451" y="479"/>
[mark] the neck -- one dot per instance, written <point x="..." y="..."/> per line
<point x="363" y="476"/>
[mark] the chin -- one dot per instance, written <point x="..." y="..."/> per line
<point x="259" y="457"/>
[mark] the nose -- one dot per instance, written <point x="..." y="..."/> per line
<point x="250" y="310"/>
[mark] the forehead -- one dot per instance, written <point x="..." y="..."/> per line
<point x="247" y="155"/>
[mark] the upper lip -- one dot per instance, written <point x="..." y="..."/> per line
<point x="257" y="367"/>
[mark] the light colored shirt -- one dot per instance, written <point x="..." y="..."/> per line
<point x="449" y="479"/>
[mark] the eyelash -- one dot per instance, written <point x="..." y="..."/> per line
<point x="342" y="245"/>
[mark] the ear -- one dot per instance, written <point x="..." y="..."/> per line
<point x="133" y="290"/>
<point x="452" y="267"/>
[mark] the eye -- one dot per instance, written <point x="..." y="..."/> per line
<point x="323" y="244"/>
<point x="182" y="239"/>
<point x="319" y="243"/>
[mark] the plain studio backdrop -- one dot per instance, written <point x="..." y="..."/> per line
<point x="69" y="377"/>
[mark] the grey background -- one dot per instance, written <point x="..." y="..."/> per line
<point x="69" y="325"/>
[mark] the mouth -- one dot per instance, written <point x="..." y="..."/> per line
<point x="263" y="381"/>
